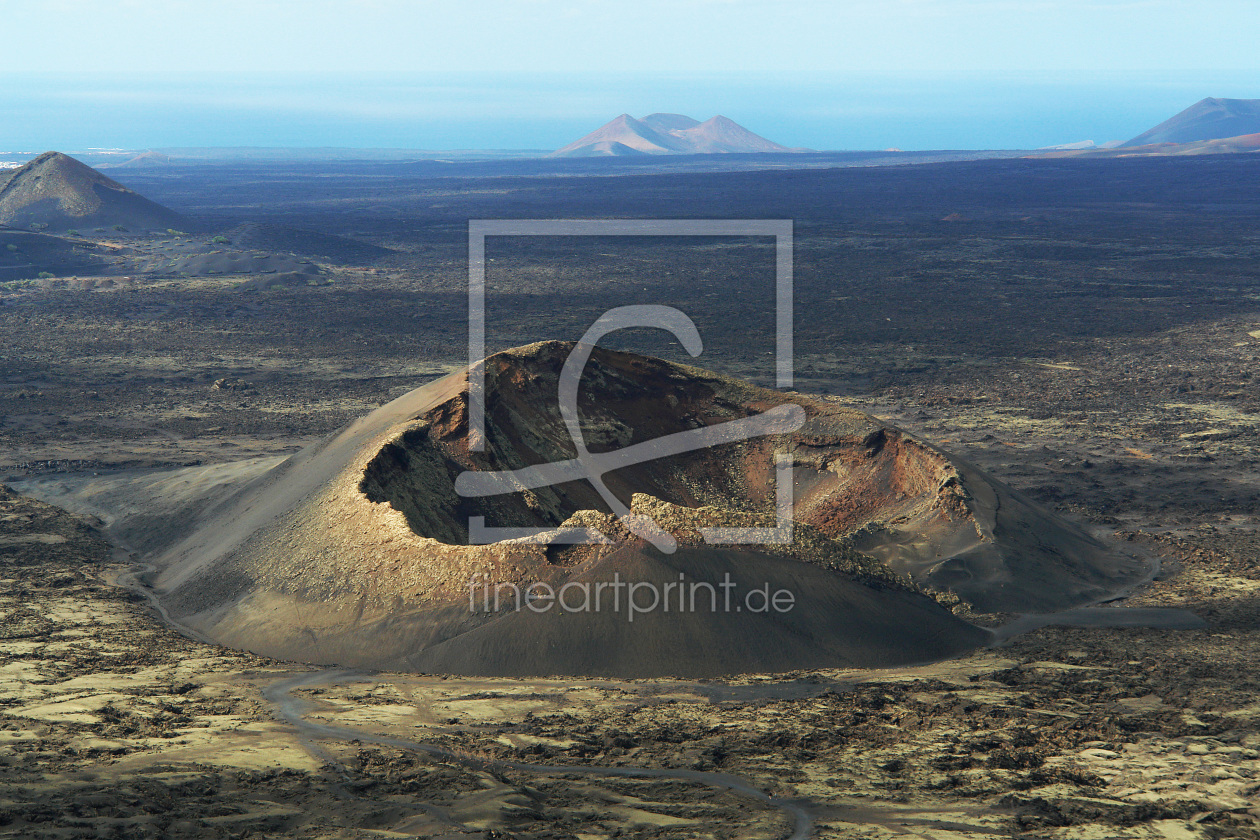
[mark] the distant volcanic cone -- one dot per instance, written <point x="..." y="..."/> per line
<point x="356" y="551"/>
<point x="1207" y="119"/>
<point x="59" y="192"/>
<point x="669" y="134"/>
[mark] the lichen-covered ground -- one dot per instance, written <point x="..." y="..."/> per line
<point x="112" y="725"/>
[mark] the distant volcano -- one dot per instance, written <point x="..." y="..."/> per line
<point x="1209" y="119"/>
<point x="669" y="134"/>
<point x="59" y="192"/>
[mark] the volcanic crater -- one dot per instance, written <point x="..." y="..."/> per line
<point x="357" y="551"/>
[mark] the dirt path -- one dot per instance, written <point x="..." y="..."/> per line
<point x="293" y="709"/>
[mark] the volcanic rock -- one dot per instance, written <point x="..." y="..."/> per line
<point x="308" y="243"/>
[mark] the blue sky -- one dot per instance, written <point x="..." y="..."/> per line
<point x="538" y="73"/>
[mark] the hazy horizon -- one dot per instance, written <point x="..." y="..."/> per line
<point x="546" y="111"/>
<point x="492" y="74"/>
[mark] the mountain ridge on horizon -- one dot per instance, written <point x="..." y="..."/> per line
<point x="1211" y="118"/>
<point x="669" y="134"/>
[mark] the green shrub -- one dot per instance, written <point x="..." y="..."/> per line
<point x="221" y="240"/>
<point x="45" y="275"/>
<point x="120" y="228"/>
<point x="10" y="247"/>
<point x="72" y="232"/>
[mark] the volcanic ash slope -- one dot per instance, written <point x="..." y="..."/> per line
<point x="355" y="552"/>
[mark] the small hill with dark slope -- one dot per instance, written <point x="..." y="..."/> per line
<point x="1209" y="119"/>
<point x="669" y="134"/>
<point x="25" y="254"/>
<point x="308" y="243"/>
<point x="141" y="161"/>
<point x="62" y="193"/>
